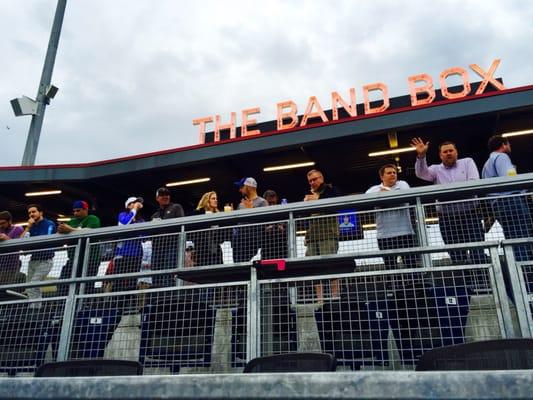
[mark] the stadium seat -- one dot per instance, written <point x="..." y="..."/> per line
<point x="292" y="362"/>
<point x="89" y="368"/>
<point x="502" y="354"/>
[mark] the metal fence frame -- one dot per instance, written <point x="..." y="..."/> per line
<point x="419" y="198"/>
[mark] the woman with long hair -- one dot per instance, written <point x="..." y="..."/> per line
<point x="207" y="242"/>
<point x="208" y="203"/>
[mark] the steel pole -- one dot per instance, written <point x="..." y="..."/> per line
<point x="32" y="142"/>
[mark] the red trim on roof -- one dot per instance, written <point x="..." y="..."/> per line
<point x="271" y="133"/>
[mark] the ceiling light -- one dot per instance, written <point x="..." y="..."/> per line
<point x="289" y="166"/>
<point x="188" y="182"/>
<point x="518" y="133"/>
<point x="43" y="193"/>
<point x="21" y="224"/>
<point x="391" y="151"/>
<point x="63" y="219"/>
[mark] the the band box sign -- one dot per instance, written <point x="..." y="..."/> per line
<point x="421" y="90"/>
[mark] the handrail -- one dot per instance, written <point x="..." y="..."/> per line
<point x="267" y="214"/>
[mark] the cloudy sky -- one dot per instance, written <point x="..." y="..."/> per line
<point x="134" y="74"/>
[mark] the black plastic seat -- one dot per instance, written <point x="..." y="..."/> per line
<point x="501" y="354"/>
<point x="89" y="368"/>
<point x="292" y="362"/>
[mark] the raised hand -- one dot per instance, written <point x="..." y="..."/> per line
<point x="420" y="147"/>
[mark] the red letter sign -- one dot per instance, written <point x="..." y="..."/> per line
<point x="416" y="90"/>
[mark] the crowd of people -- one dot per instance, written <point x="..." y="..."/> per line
<point x="458" y="222"/>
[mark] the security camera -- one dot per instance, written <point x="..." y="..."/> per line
<point x="51" y="91"/>
<point x="24" y="106"/>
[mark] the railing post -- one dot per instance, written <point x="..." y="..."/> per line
<point x="291" y="236"/>
<point x="525" y="319"/>
<point x="501" y="294"/>
<point x="422" y="231"/>
<point x="85" y="265"/>
<point x="70" y="304"/>
<point x="182" y="245"/>
<point x="253" y="342"/>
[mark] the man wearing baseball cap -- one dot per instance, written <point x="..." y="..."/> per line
<point x="167" y="209"/>
<point x="247" y="240"/>
<point x="81" y="220"/>
<point x="165" y="248"/>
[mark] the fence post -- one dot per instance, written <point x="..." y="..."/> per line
<point x="182" y="245"/>
<point x="252" y="320"/>
<point x="520" y="294"/>
<point x="501" y="294"/>
<point x="70" y="303"/>
<point x="422" y="232"/>
<point x="291" y="235"/>
<point x="84" y="267"/>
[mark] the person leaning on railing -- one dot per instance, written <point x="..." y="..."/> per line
<point x="275" y="241"/>
<point x="512" y="212"/>
<point x="246" y="240"/>
<point x="207" y="242"/>
<point x="41" y="261"/>
<point x="128" y="253"/>
<point x="394" y="228"/>
<point x="458" y="222"/>
<point x="81" y="220"/>
<point x="322" y="234"/>
<point x="165" y="248"/>
<point x="9" y="263"/>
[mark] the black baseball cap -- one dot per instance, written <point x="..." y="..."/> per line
<point x="162" y="191"/>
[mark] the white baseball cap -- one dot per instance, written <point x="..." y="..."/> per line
<point x="133" y="200"/>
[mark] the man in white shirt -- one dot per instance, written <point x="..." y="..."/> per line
<point x="394" y="228"/>
<point x="459" y="222"/>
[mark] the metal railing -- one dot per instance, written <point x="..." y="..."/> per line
<point x="375" y="280"/>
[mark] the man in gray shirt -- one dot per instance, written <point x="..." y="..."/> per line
<point x="165" y="247"/>
<point x="394" y="228"/>
<point x="246" y="240"/>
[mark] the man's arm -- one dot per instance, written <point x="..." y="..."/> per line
<point x="124" y="218"/>
<point x="403" y="185"/>
<point x="504" y="166"/>
<point x="471" y="170"/>
<point x="422" y="170"/>
<point x="374" y="189"/>
<point x="27" y="228"/>
<point x="421" y="166"/>
<point x="178" y="211"/>
<point x="93" y="222"/>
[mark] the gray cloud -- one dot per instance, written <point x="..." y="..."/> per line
<point x="133" y="75"/>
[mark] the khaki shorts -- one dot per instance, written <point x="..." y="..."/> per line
<point x="322" y="247"/>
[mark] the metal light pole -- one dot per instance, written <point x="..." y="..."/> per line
<point x="43" y="94"/>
